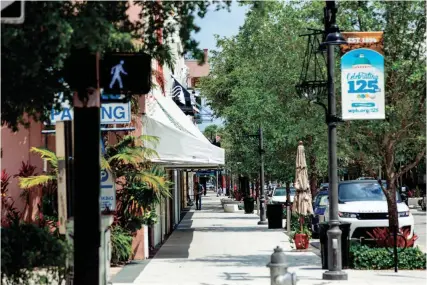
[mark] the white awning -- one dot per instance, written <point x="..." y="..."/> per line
<point x="180" y="142"/>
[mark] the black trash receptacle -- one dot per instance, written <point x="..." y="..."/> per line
<point x="345" y="244"/>
<point x="275" y="216"/>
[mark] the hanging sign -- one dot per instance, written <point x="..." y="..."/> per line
<point x="108" y="191"/>
<point x="111" y="113"/>
<point x="362" y="77"/>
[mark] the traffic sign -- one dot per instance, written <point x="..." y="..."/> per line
<point x="108" y="191"/>
<point x="124" y="74"/>
<point x="111" y="113"/>
<point x="121" y="74"/>
<point x="12" y="12"/>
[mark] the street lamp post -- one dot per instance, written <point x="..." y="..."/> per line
<point x="262" y="215"/>
<point x="334" y="233"/>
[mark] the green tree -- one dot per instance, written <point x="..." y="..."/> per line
<point x="212" y="131"/>
<point x="252" y="82"/>
<point x="396" y="144"/>
<point x="34" y="53"/>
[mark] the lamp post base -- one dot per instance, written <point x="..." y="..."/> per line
<point x="335" y="275"/>
<point x="263" y="222"/>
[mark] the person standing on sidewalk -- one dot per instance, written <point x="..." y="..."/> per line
<point x="198" y="192"/>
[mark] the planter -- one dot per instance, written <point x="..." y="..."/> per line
<point x="231" y="208"/>
<point x="301" y="241"/>
<point x="249" y="205"/>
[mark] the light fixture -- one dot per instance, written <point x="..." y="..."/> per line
<point x="334" y="37"/>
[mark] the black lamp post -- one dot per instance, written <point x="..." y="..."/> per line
<point x="313" y="89"/>
<point x="334" y="233"/>
<point x="262" y="214"/>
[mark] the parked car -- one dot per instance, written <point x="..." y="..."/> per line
<point x="324" y="186"/>
<point x="364" y="205"/>
<point x="210" y="186"/>
<point x="320" y="202"/>
<point x="279" y="195"/>
<point x="365" y="178"/>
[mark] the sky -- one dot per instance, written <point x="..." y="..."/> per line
<point x="222" y="23"/>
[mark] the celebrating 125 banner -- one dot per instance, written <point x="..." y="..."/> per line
<point x="362" y="83"/>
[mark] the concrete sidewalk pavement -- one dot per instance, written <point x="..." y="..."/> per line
<point x="211" y="247"/>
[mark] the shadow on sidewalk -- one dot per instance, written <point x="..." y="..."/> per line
<point x="229" y="218"/>
<point x="178" y="243"/>
<point x="254" y="260"/>
<point x="233" y="229"/>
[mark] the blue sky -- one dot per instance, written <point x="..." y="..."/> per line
<point x="222" y="23"/>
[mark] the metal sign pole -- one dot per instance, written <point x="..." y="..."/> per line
<point x="87" y="217"/>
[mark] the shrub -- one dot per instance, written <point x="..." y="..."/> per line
<point x="26" y="247"/>
<point x="367" y="258"/>
<point x="296" y="226"/>
<point x="121" y="245"/>
<point x="383" y="238"/>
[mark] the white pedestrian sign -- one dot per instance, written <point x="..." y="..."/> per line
<point x="115" y="71"/>
<point x="108" y="191"/>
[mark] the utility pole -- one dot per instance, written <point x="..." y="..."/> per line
<point x="334" y="233"/>
<point x="262" y="215"/>
<point x="87" y="216"/>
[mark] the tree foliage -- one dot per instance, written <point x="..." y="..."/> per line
<point x="252" y="82"/>
<point x="253" y="78"/>
<point x="34" y="53"/>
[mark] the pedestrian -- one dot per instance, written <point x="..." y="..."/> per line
<point x="218" y="191"/>
<point x="198" y="192"/>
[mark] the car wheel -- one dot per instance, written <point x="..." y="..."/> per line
<point x="423" y="208"/>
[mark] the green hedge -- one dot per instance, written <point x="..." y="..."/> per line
<point x="26" y="248"/>
<point x="365" y="257"/>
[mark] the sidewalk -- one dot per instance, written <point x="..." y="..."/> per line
<point x="211" y="247"/>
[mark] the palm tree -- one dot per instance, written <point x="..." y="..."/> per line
<point x="50" y="176"/>
<point x="130" y="158"/>
<point x="143" y="184"/>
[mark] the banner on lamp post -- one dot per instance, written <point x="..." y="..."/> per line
<point x="362" y="76"/>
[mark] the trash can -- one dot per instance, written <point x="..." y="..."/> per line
<point x="345" y="244"/>
<point x="275" y="216"/>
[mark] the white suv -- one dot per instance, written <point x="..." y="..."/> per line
<point x="363" y="204"/>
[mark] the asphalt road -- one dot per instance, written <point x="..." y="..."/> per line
<point x="420" y="218"/>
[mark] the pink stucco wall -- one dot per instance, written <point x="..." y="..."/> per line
<point x="16" y="149"/>
<point x="196" y="70"/>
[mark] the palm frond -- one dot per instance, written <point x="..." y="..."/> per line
<point x="156" y="180"/>
<point x="126" y="141"/>
<point x="149" y="153"/>
<point x="33" y="181"/>
<point x="127" y="156"/>
<point x="154" y="140"/>
<point x="105" y="164"/>
<point x="48" y="155"/>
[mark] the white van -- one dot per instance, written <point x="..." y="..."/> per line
<point x="363" y="204"/>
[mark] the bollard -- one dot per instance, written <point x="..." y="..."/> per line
<point x="279" y="274"/>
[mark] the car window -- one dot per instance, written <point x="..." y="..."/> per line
<point x="351" y="192"/>
<point x="323" y="200"/>
<point x="282" y="191"/>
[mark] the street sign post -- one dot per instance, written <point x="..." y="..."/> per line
<point x="108" y="191"/>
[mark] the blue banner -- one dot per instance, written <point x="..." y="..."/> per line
<point x="362" y="85"/>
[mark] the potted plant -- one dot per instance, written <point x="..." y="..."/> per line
<point x="248" y="203"/>
<point x="300" y="231"/>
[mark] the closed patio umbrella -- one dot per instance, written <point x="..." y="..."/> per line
<point x="302" y="202"/>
